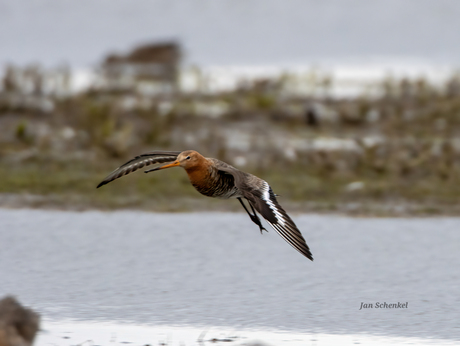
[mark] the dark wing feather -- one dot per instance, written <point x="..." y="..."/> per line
<point x="262" y="198"/>
<point x="264" y="201"/>
<point x="140" y="161"/>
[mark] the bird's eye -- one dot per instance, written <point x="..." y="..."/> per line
<point x="187" y="158"/>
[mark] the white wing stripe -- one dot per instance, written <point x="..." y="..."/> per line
<point x="284" y="225"/>
<point x="266" y="198"/>
<point x="288" y="237"/>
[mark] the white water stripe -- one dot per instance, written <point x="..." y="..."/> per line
<point x="67" y="333"/>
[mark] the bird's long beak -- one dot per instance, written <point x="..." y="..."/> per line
<point x="174" y="164"/>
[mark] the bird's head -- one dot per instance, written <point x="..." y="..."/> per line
<point x="188" y="159"/>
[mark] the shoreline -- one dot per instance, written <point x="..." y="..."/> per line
<point x="201" y="204"/>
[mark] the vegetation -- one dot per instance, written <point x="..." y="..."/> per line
<point x="394" y="152"/>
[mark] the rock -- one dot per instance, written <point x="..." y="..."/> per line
<point x="355" y="186"/>
<point x="18" y="325"/>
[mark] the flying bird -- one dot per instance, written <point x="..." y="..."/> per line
<point x="215" y="178"/>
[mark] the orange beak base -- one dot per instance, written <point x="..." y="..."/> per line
<point x="174" y="164"/>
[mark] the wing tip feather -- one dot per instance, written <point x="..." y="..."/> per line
<point x="132" y="165"/>
<point x="291" y="236"/>
<point x="102" y="183"/>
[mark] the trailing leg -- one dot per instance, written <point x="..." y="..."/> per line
<point x="253" y="217"/>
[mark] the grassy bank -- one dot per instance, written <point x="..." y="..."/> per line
<point x="73" y="186"/>
<point x="396" y="153"/>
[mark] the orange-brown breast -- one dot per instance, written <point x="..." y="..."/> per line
<point x="200" y="177"/>
<point x="207" y="181"/>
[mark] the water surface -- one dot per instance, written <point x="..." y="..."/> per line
<point x="215" y="269"/>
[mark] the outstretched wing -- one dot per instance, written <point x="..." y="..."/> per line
<point x="264" y="201"/>
<point x="262" y="198"/>
<point x="140" y="161"/>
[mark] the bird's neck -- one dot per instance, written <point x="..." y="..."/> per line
<point x="199" y="173"/>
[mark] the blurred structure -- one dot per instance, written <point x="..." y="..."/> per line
<point x="18" y="325"/>
<point x="397" y="136"/>
<point x="148" y="69"/>
<point x="32" y="88"/>
<point x="311" y="116"/>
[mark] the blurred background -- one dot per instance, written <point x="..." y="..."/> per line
<point x="342" y="106"/>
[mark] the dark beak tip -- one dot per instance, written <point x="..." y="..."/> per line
<point x="152" y="170"/>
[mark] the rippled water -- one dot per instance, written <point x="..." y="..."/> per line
<point x="215" y="269"/>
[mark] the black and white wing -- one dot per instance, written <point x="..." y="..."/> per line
<point x="154" y="157"/>
<point x="261" y="197"/>
<point x="264" y="201"/>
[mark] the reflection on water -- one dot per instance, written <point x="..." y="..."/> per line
<point x="216" y="270"/>
<point x="71" y="333"/>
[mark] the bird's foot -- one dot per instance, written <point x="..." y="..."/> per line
<point x="256" y="220"/>
<point x="262" y="229"/>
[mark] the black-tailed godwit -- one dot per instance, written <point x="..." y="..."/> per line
<point x="215" y="178"/>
